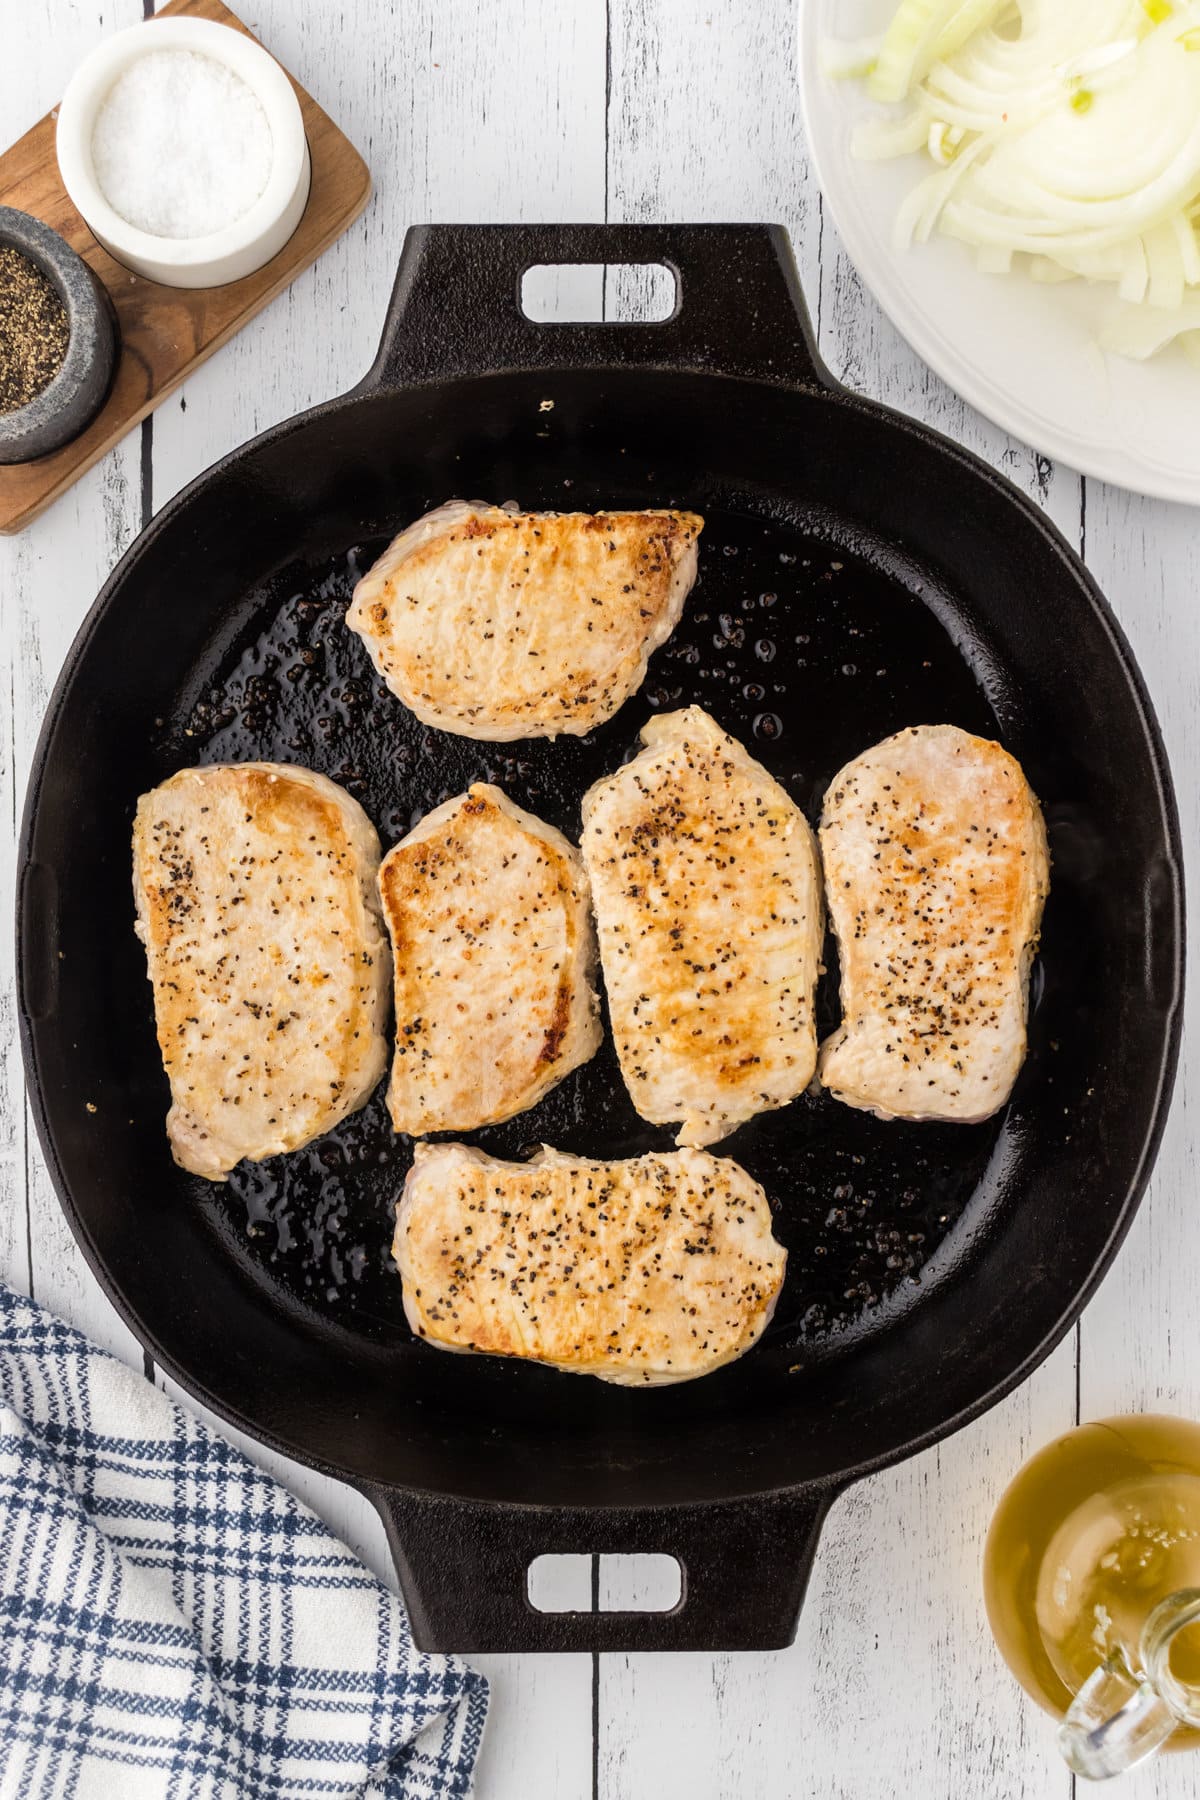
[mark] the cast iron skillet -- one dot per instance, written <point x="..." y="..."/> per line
<point x="859" y="573"/>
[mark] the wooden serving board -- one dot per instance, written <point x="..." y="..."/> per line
<point x="166" y="332"/>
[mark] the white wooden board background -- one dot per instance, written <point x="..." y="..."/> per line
<point x="643" y="109"/>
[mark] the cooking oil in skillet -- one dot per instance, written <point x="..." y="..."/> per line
<point x="1096" y="1529"/>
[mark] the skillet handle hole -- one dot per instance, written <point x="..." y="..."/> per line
<point x="557" y="1584"/>
<point x="619" y="293"/>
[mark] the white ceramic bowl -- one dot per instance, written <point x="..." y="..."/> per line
<point x="220" y="256"/>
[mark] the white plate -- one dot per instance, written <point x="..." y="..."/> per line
<point x="1024" y="354"/>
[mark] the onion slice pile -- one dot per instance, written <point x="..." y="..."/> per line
<point x="1063" y="137"/>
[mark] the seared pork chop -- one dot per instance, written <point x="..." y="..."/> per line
<point x="255" y="893"/>
<point x="500" y="624"/>
<point x="644" y="1272"/>
<point x="708" y="900"/>
<point x="936" y="870"/>
<point x="494" y="953"/>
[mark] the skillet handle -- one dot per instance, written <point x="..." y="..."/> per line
<point x="456" y="304"/>
<point x="463" y="1568"/>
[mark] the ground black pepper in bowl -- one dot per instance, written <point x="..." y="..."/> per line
<point x="33" y="330"/>
<point x="58" y="339"/>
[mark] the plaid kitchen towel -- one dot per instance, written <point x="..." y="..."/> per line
<point x="175" y="1626"/>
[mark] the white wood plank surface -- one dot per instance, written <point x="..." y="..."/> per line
<point x="1141" y="1334"/>
<point x="642" y="109"/>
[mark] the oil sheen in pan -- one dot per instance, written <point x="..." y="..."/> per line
<point x="805" y="651"/>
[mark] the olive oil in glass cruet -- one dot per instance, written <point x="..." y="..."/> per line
<point x="1092" y="1585"/>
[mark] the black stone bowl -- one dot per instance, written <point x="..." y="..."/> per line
<point x="76" y="394"/>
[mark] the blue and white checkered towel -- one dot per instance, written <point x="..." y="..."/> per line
<point x="175" y="1626"/>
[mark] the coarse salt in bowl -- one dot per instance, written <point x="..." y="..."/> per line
<point x="182" y="145"/>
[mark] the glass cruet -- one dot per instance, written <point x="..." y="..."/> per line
<point x="1092" y="1585"/>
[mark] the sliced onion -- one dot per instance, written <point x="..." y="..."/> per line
<point x="1164" y="263"/>
<point x="922" y="32"/>
<point x="878" y="140"/>
<point x="922" y="209"/>
<point x="1065" y="133"/>
<point x="1189" y="247"/>
<point x="1134" y="279"/>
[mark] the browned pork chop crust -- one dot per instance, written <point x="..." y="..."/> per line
<point x="494" y="954"/>
<point x="501" y="624"/>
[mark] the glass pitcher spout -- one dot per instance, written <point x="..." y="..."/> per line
<point x="1120" y="1715"/>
